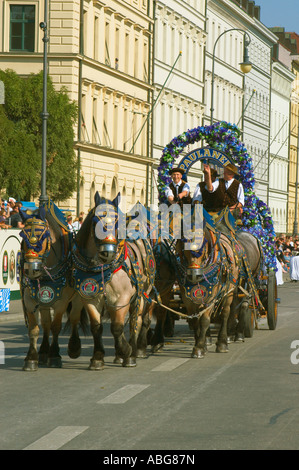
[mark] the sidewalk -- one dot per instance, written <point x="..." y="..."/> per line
<point x="15" y="312"/>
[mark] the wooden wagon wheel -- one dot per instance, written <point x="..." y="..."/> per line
<point x="248" y="318"/>
<point x="272" y="301"/>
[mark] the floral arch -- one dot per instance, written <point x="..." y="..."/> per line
<point x="225" y="137"/>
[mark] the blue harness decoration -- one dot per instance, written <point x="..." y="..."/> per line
<point x="206" y="289"/>
<point x="89" y="282"/>
<point x="47" y="289"/>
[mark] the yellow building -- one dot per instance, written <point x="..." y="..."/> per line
<point x="293" y="213"/>
<point x="291" y="41"/>
<point x="102" y="52"/>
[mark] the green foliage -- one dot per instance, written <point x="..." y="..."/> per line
<point x="21" y="138"/>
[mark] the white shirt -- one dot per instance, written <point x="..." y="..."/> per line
<point x="168" y="191"/>
<point x="240" y="195"/>
<point x="76" y="226"/>
<point x="197" y="196"/>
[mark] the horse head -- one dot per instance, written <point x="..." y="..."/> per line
<point x="198" y="251"/>
<point x="97" y="238"/>
<point x="193" y="258"/>
<point x="105" y="228"/>
<point x="36" y="242"/>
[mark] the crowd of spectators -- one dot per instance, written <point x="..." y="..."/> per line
<point x="287" y="254"/>
<point x="74" y="226"/>
<point x="9" y="214"/>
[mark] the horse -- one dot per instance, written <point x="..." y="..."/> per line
<point x="114" y="277"/>
<point x="207" y="276"/>
<point x="165" y="279"/>
<point x="249" y="251"/>
<point x="241" y="321"/>
<point x="44" y="286"/>
<point x="227" y="260"/>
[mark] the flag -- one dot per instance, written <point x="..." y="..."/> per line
<point x="4" y="300"/>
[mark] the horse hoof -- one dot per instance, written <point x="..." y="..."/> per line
<point x="141" y="354"/>
<point x="230" y="339"/>
<point x="55" y="362"/>
<point x="30" y="366"/>
<point x="118" y="360"/>
<point x="221" y="348"/>
<point x="157" y="347"/>
<point x="96" y="364"/>
<point x="198" y="353"/>
<point x="129" y="362"/>
<point x="43" y="359"/>
<point x="74" y="354"/>
<point x="239" y="338"/>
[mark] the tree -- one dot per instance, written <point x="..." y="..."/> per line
<point x="21" y="138"/>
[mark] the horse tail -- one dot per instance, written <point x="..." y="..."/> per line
<point x="83" y="323"/>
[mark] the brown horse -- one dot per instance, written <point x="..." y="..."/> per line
<point x="164" y="282"/>
<point x="114" y="277"/>
<point x="44" y="274"/>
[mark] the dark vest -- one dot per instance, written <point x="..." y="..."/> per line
<point x="221" y="197"/>
<point x="184" y="200"/>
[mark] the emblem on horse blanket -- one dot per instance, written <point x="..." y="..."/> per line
<point x="46" y="292"/>
<point x="203" y="292"/>
<point x="90" y="284"/>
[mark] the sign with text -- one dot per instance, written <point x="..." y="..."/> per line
<point x="205" y="154"/>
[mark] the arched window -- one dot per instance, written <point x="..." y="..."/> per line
<point x="133" y="196"/>
<point x="92" y="193"/>
<point x="114" y="188"/>
<point x="103" y="193"/>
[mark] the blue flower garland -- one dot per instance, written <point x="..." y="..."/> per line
<point x="225" y="137"/>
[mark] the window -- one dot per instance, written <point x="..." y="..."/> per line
<point x="22" y="28"/>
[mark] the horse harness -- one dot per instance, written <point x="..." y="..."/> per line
<point x="90" y="281"/>
<point x="48" y="288"/>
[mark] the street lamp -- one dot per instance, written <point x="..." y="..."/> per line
<point x="43" y="25"/>
<point x="245" y="66"/>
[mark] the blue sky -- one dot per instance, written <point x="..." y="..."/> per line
<point x="283" y="13"/>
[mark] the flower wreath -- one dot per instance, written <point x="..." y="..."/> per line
<point x="224" y="136"/>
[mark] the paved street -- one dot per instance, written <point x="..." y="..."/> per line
<point x="245" y="399"/>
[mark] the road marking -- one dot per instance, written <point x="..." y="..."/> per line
<point x="124" y="394"/>
<point x="57" y="438"/>
<point x="169" y="365"/>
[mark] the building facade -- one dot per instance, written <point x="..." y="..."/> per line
<point x="281" y="87"/>
<point x="102" y="52"/>
<point x="288" y="54"/>
<point x="243" y="99"/>
<point x="224" y="51"/>
<point x="141" y="73"/>
<point x="179" y="64"/>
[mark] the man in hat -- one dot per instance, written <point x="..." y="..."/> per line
<point x="11" y="204"/>
<point x="178" y="191"/>
<point x="224" y="192"/>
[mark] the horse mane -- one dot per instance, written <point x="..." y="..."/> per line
<point x="85" y="231"/>
<point x="53" y="224"/>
